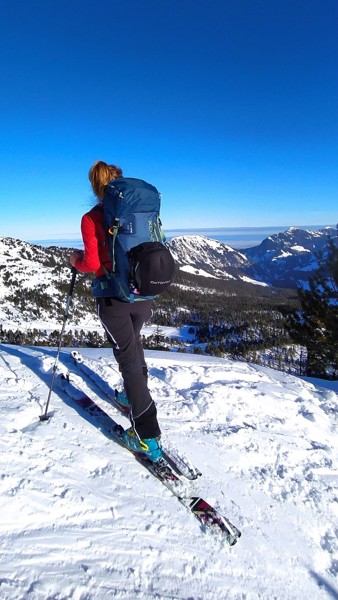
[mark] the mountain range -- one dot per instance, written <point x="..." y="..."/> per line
<point x="284" y="259"/>
<point x="34" y="279"/>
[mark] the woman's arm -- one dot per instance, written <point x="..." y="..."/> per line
<point x="88" y="260"/>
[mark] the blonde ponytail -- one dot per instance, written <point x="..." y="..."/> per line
<point x="100" y="175"/>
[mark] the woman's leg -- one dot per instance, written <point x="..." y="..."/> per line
<point x="122" y="322"/>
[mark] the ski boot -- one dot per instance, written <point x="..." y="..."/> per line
<point x="122" y="401"/>
<point x="148" y="446"/>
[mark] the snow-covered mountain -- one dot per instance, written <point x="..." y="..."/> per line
<point x="287" y="259"/>
<point x="80" y="519"/>
<point x="200" y="255"/>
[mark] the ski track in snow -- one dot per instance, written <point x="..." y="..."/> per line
<point x="81" y="519"/>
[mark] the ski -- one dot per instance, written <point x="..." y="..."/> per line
<point x="180" y="465"/>
<point x="210" y="518"/>
<point x="100" y="383"/>
<point x="177" y="462"/>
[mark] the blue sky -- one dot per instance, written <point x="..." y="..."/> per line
<point x="229" y="107"/>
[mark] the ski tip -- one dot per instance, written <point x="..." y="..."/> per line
<point x="194" y="474"/>
<point x="234" y="535"/>
<point x="76" y="356"/>
<point x="64" y="376"/>
<point x="233" y="542"/>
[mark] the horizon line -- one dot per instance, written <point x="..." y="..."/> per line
<point x="193" y="229"/>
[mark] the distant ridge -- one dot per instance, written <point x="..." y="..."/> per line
<point x="236" y="237"/>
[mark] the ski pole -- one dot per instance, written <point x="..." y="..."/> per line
<point x="45" y="416"/>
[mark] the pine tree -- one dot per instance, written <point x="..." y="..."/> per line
<point x="315" y="326"/>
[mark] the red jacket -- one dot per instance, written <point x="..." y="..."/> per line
<point x="95" y="244"/>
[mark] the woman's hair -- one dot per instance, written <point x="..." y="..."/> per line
<point x="100" y="175"/>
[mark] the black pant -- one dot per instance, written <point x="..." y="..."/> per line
<point x="123" y="322"/>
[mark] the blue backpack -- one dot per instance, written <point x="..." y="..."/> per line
<point x="141" y="264"/>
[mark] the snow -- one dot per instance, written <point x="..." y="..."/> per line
<point x="254" y="281"/>
<point x="200" y="272"/>
<point x="184" y="333"/>
<point x="298" y="248"/>
<point x="82" y="520"/>
<point x="283" y="254"/>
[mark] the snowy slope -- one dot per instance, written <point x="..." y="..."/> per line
<point x="82" y="520"/>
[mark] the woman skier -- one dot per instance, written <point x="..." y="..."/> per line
<point x="122" y="321"/>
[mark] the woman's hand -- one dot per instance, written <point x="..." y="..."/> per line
<point x="74" y="256"/>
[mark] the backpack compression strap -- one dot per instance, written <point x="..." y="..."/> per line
<point x="114" y="231"/>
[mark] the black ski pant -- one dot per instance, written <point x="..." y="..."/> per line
<point x="123" y="322"/>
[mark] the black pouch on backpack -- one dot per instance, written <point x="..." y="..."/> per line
<point x="152" y="268"/>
